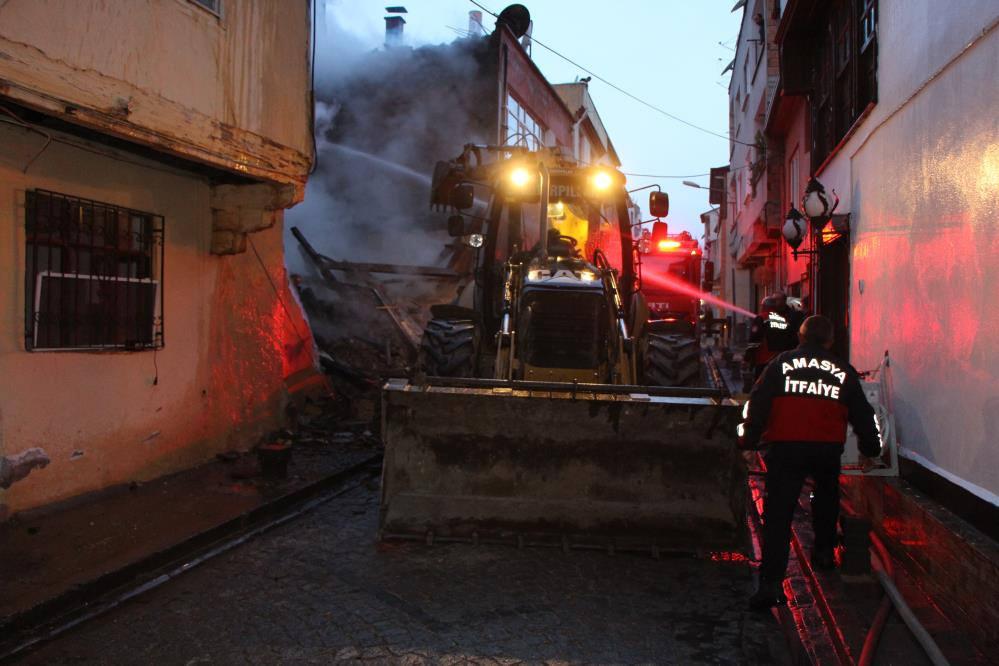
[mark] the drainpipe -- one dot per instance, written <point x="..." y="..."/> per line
<point x="575" y="133"/>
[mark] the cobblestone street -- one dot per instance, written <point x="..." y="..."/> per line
<point x="321" y="589"/>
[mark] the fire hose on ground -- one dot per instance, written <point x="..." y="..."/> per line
<point x="893" y="597"/>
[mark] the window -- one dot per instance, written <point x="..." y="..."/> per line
<point x="93" y="275"/>
<point x="522" y="128"/>
<point x="214" y="6"/>
<point x="844" y="73"/>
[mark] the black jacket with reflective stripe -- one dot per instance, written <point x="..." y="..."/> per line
<point x="809" y="395"/>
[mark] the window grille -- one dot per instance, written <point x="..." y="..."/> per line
<point x="93" y="275"/>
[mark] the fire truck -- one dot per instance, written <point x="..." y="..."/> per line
<point x="670" y="269"/>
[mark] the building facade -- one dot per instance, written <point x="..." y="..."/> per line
<point x="753" y="174"/>
<point x="145" y="319"/>
<point x="888" y="109"/>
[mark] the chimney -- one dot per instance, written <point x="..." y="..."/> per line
<point x="394" y="26"/>
<point x="475" y="22"/>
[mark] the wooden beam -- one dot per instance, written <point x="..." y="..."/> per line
<point x="118" y="108"/>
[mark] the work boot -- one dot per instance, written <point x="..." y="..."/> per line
<point x="823" y="560"/>
<point x="768" y="595"/>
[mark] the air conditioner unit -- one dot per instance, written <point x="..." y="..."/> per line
<point x="82" y="311"/>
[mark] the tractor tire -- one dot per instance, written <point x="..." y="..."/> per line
<point x="449" y="348"/>
<point x="672" y="360"/>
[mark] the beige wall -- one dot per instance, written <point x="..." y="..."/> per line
<point x="230" y="90"/>
<point x="229" y="343"/>
<point x="920" y="177"/>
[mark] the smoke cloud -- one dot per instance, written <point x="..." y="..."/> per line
<point x="383" y="119"/>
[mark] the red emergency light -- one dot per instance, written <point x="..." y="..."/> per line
<point x="667" y="245"/>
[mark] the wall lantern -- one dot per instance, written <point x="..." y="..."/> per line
<point x="816" y="203"/>
<point x="794" y="228"/>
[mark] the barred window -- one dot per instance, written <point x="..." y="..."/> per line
<point x="93" y="275"/>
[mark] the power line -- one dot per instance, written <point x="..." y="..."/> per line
<point x="653" y="175"/>
<point x="621" y="90"/>
<point x="693" y="175"/>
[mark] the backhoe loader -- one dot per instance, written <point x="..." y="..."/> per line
<point x="533" y="420"/>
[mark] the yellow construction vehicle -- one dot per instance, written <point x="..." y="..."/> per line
<point x="532" y="422"/>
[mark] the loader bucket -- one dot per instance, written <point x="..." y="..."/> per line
<point x="622" y="468"/>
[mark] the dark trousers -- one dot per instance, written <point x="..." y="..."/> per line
<point x="788" y="464"/>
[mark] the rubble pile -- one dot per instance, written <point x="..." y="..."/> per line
<point x="367" y="326"/>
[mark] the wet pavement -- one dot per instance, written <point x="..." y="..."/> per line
<point x="58" y="551"/>
<point x="320" y="589"/>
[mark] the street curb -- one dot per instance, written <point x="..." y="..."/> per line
<point x="21" y="631"/>
<point x="817" y="647"/>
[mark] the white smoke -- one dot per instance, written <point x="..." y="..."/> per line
<point x="384" y="117"/>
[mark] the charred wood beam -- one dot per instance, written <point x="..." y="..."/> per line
<point x="410" y="332"/>
<point x="399" y="269"/>
<point x="318" y="259"/>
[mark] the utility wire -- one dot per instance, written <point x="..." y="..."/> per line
<point x="30" y="128"/>
<point x="693" y="175"/>
<point x="618" y="88"/>
<point x="654" y="175"/>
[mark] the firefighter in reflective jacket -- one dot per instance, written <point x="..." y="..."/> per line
<point x="775" y="330"/>
<point x="798" y="410"/>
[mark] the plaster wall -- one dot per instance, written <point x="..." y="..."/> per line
<point x="235" y="86"/>
<point x="920" y="177"/>
<point x="229" y="344"/>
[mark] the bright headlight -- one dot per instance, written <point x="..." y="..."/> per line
<point x="520" y="177"/>
<point x="602" y="180"/>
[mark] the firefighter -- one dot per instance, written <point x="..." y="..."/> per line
<point x="798" y="410"/>
<point x="774" y="329"/>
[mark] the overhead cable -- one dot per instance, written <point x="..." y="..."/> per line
<point x="621" y="90"/>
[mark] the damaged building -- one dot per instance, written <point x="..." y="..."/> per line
<point x="146" y="165"/>
<point x="367" y="254"/>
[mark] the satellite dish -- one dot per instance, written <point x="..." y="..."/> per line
<point x="517" y="18"/>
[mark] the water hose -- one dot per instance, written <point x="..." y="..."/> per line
<point x="884" y="575"/>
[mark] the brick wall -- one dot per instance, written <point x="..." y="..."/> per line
<point x="955" y="564"/>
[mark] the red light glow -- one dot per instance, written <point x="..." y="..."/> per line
<point x="667" y="245"/>
<point x="679" y="286"/>
<point x="727" y="556"/>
